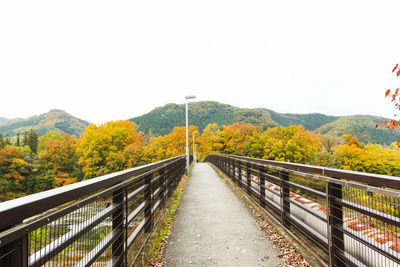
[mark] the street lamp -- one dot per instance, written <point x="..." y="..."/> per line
<point x="194" y="148"/>
<point x="187" y="132"/>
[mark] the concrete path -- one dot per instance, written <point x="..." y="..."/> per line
<point x="214" y="228"/>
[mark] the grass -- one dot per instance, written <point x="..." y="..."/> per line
<point x="156" y="248"/>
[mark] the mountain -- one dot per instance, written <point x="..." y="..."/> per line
<point x="362" y="127"/>
<point x="162" y="120"/>
<point x="311" y="121"/>
<point x="3" y="120"/>
<point x="55" y="120"/>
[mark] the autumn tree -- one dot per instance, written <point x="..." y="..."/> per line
<point x="293" y="143"/>
<point x="371" y="158"/>
<point x="13" y="173"/>
<point x="106" y="148"/>
<point x="170" y="145"/>
<point x="394" y="96"/>
<point x="231" y="139"/>
<point x="351" y="154"/>
<point x="59" y="158"/>
<point x="206" y="141"/>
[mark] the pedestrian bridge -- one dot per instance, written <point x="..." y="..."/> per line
<point x="332" y="217"/>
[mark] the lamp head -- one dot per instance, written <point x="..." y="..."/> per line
<point x="190" y="96"/>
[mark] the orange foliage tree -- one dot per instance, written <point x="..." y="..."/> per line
<point x="394" y="96"/>
<point x="13" y="171"/>
<point x="58" y="155"/>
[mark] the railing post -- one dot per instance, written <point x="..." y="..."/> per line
<point x="335" y="218"/>
<point x="177" y="172"/>
<point x="169" y="178"/>
<point x="285" y="198"/>
<point x="162" y="174"/>
<point x="239" y="179"/>
<point x="233" y="178"/>
<point x="126" y="206"/>
<point x="262" y="185"/>
<point x="149" y="203"/>
<point x="16" y="253"/>
<point x="229" y="167"/>
<point x="119" y="227"/>
<point x="248" y="185"/>
<point x="226" y="166"/>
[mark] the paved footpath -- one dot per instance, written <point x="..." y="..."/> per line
<point x="213" y="227"/>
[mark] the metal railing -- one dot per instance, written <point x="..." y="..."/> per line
<point x="345" y="218"/>
<point x="104" y="221"/>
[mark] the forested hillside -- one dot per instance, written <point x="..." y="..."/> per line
<point x="55" y="120"/>
<point x="32" y="164"/>
<point x="363" y="128"/>
<point x="162" y="120"/>
<point x="3" y="120"/>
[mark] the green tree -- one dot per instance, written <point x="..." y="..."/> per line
<point x="33" y="141"/>
<point x="18" y="142"/>
<point x="6" y="140"/>
<point x="25" y="140"/>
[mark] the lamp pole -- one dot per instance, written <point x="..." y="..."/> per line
<point x="187" y="132"/>
<point x="194" y="148"/>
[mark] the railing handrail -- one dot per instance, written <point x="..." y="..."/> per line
<point x="372" y="179"/>
<point x="16" y="210"/>
<point x="332" y="210"/>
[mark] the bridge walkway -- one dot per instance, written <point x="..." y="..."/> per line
<point x="213" y="227"/>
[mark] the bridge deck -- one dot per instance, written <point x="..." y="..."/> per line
<point x="213" y="227"/>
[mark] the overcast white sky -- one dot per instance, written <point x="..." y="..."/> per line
<point x="109" y="60"/>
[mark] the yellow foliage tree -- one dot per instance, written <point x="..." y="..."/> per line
<point x="170" y="145"/>
<point x="110" y="147"/>
<point x="231" y="139"/>
<point x="371" y="158"/>
<point x="206" y="143"/>
<point x="293" y="143"/>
